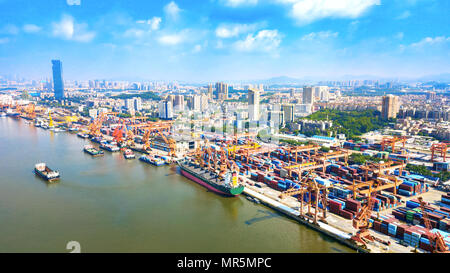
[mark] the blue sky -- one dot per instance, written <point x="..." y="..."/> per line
<point x="208" y="40"/>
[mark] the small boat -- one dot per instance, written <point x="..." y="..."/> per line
<point x="128" y="154"/>
<point x="82" y="135"/>
<point x="109" y="147"/>
<point x="93" y="151"/>
<point x="2" y="114"/>
<point x="46" y="173"/>
<point x="152" y="160"/>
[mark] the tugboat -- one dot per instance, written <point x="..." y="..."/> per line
<point x="152" y="160"/>
<point x="46" y="173"/>
<point x="128" y="154"/>
<point x="93" y="151"/>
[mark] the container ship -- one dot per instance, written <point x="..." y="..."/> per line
<point x="128" y="154"/>
<point x="93" y="151"/>
<point x="226" y="186"/>
<point x="152" y="160"/>
<point x="46" y="173"/>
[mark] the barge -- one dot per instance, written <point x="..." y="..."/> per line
<point x="82" y="135"/>
<point x="226" y="186"/>
<point x="93" y="151"/>
<point x="109" y="148"/>
<point x="152" y="160"/>
<point x="46" y="173"/>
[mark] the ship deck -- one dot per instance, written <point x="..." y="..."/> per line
<point x="206" y="174"/>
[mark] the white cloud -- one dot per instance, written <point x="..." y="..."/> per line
<point x="153" y="22"/>
<point x="265" y="40"/>
<point x="73" y="2"/>
<point x="429" y="41"/>
<point x="4" y="40"/>
<point x="233" y="30"/>
<point x="171" y="39"/>
<point x="69" y="30"/>
<point x="172" y="10"/>
<point x="235" y="3"/>
<point x="307" y="11"/>
<point x="319" y="35"/>
<point x="30" y="28"/>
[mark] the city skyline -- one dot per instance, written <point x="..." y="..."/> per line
<point x="225" y="39"/>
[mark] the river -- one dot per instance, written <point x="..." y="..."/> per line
<point x="110" y="204"/>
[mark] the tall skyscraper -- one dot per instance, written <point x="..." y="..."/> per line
<point x="390" y="107"/>
<point x="58" y="84"/>
<point x="221" y="91"/>
<point x="321" y="93"/>
<point x="165" y="110"/>
<point x="253" y="104"/>
<point x="178" y="103"/>
<point x="210" y="91"/>
<point x="308" y="95"/>
<point x="288" y="110"/>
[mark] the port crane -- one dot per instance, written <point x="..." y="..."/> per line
<point x="440" y="148"/>
<point x="436" y="239"/>
<point x="309" y="186"/>
<point x="362" y="224"/>
<point x="392" y="141"/>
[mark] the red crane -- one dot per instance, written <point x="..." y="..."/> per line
<point x="436" y="239"/>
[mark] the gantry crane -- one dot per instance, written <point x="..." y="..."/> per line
<point x="436" y="239"/>
<point x="310" y="186"/>
<point x="440" y="148"/>
<point x="392" y="141"/>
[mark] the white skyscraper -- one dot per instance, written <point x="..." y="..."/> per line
<point x="253" y="104"/>
<point x="321" y="93"/>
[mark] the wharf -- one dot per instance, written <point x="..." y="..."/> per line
<point x="337" y="228"/>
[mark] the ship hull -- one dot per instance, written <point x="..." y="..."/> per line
<point x="219" y="189"/>
<point x="45" y="177"/>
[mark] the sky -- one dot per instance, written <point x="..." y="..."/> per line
<point x="210" y="40"/>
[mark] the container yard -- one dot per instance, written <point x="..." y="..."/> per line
<point x="371" y="207"/>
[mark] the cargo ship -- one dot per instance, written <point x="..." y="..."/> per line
<point x="226" y="186"/>
<point x="46" y="173"/>
<point x="128" y="154"/>
<point x="93" y="151"/>
<point x="152" y="160"/>
<point x="109" y="147"/>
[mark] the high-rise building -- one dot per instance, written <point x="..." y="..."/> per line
<point x="288" y="110"/>
<point x="178" y="103"/>
<point x="390" y="107"/>
<point x="221" y="92"/>
<point x="210" y="91"/>
<point x="138" y="104"/>
<point x="308" y="95"/>
<point x="321" y="93"/>
<point x="165" y="110"/>
<point x="253" y="104"/>
<point x="58" y="84"/>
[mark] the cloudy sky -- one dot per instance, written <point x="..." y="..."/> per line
<point x="208" y="40"/>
